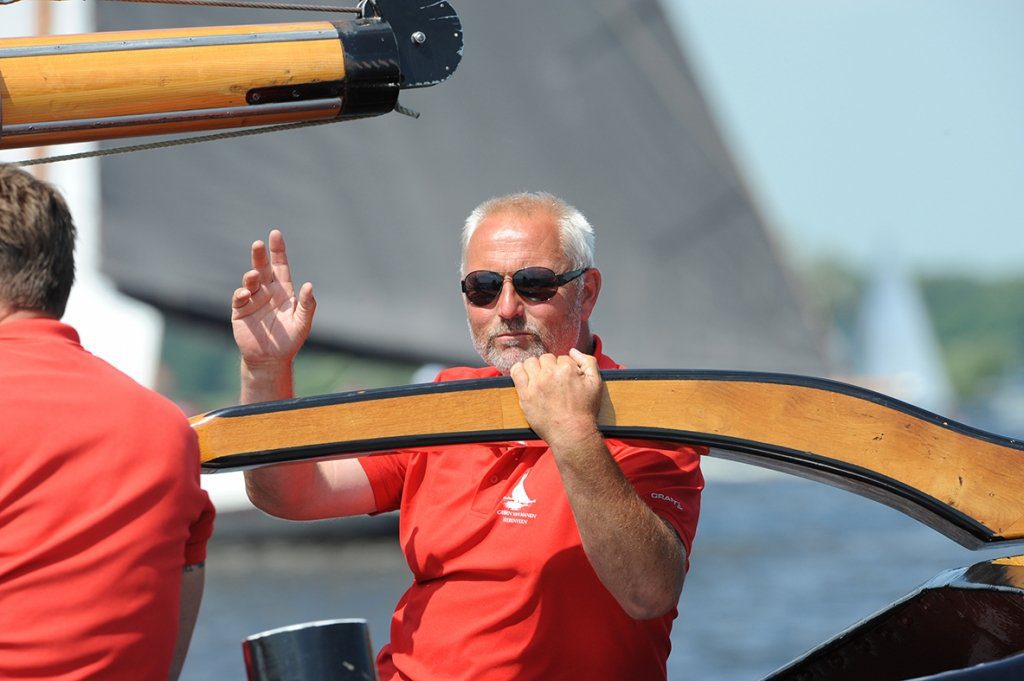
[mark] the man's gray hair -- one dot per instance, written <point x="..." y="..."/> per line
<point x="577" y="235"/>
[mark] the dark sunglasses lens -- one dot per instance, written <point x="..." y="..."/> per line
<point x="536" y="283"/>
<point x="483" y="287"/>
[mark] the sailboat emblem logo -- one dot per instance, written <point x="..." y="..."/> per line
<point x="519" y="499"/>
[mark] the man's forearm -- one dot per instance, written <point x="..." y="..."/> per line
<point x="302" y="490"/>
<point x="274" y="489"/>
<point x="282" y="490"/>
<point x="637" y="556"/>
<point x="192" y="582"/>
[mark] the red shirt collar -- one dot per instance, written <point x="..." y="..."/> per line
<point x="603" y="360"/>
<point x="33" y="328"/>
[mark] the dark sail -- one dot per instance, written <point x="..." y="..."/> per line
<point x="593" y="102"/>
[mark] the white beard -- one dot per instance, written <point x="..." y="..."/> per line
<point x="556" y="341"/>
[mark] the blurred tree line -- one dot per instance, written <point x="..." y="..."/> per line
<point x="200" y="366"/>
<point x="979" y="322"/>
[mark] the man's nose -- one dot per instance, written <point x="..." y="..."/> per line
<point x="510" y="305"/>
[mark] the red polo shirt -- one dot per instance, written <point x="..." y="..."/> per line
<point x="502" y="588"/>
<point x="100" y="510"/>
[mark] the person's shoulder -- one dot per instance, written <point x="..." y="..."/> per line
<point x="134" y="396"/>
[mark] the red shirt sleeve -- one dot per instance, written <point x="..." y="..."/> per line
<point x="199" y="534"/>
<point x="386" y="473"/>
<point x="668" y="480"/>
<point x="197" y="500"/>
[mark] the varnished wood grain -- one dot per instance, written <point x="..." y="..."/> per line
<point x="103" y="84"/>
<point x="854" y="439"/>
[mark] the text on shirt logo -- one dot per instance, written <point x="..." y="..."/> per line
<point x="515" y="502"/>
<point x="665" y="497"/>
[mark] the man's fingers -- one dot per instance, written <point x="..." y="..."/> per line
<point x="307" y="305"/>
<point x="306" y="299"/>
<point x="261" y="262"/>
<point x="586" y="363"/>
<point x="531" y="367"/>
<point x="241" y="298"/>
<point x="277" y="247"/>
<point x="244" y="294"/>
<point x="520" y="379"/>
<point x="256" y="294"/>
<point x="547" y="363"/>
<point x="259" y="254"/>
<point x="279" y="257"/>
<point x="251" y="280"/>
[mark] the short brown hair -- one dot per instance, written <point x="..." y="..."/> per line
<point x="37" y="244"/>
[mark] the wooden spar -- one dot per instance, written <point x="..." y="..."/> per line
<point x="98" y="86"/>
<point x="961" y="481"/>
<point x="54" y="84"/>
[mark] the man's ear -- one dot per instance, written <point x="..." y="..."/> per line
<point x="591" y="290"/>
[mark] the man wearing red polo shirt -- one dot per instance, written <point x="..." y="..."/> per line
<point x="103" y="525"/>
<point x="559" y="558"/>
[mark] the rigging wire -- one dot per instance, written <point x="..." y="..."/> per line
<point x="360" y="9"/>
<point x="177" y="142"/>
<point x="182" y="141"/>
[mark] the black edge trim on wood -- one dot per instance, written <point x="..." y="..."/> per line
<point x="909" y="500"/>
<point x="823" y="384"/>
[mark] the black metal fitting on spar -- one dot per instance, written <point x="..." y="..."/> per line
<point x="99" y="86"/>
<point x="393" y="46"/>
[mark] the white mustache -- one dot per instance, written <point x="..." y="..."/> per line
<point x="517" y="325"/>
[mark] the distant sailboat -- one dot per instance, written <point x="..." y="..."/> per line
<point x="899" y="353"/>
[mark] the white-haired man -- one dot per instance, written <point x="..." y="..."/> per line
<point x="561" y="558"/>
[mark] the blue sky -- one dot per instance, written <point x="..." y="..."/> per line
<point x="865" y="126"/>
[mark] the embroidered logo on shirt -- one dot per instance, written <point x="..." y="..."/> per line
<point x="665" y="497"/>
<point x="515" y="502"/>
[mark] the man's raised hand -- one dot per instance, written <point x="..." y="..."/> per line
<point x="269" y="321"/>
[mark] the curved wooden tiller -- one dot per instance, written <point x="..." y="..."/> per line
<point x="961" y="481"/>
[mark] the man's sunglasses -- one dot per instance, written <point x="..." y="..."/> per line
<point x="535" y="284"/>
